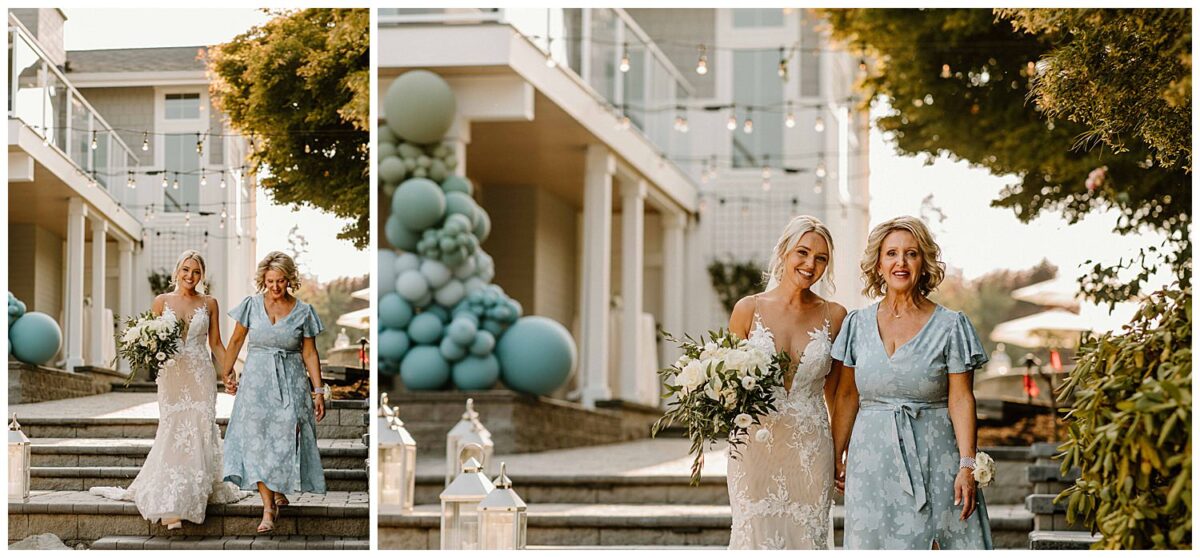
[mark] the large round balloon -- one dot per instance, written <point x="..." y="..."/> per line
<point x="419" y="203"/>
<point x="394" y="312"/>
<point x="425" y="328"/>
<point x="386" y="281"/>
<point x="476" y="373"/>
<point x="393" y="344"/>
<point x="35" y="338"/>
<point x="419" y="106"/>
<point x="424" y="369"/>
<point x="398" y="235"/>
<point x="536" y="355"/>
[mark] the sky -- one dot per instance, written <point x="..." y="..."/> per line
<point x="330" y="258"/>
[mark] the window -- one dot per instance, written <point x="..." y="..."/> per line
<point x="756" y="83"/>
<point x="769" y="17"/>
<point x="810" y="54"/>
<point x="182" y="106"/>
<point x="179" y="154"/>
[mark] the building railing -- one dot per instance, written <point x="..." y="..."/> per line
<point x="604" y="47"/>
<point x="41" y="97"/>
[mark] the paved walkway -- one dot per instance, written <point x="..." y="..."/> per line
<point x="334" y="504"/>
<point x="639" y="458"/>
<point x="108" y="405"/>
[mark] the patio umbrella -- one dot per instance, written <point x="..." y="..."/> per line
<point x="362" y="294"/>
<point x="1052" y="328"/>
<point x="1061" y="292"/>
<point x="358" y="319"/>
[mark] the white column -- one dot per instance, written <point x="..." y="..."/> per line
<point x="633" y="241"/>
<point x="99" y="265"/>
<point x="597" y="267"/>
<point x="76" y="215"/>
<point x="125" y="280"/>
<point x="674" y="286"/>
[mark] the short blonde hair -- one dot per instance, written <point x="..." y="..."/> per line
<point x="280" y="262"/>
<point x="932" y="269"/>
<point x="787" y="242"/>
<point x="191" y="255"/>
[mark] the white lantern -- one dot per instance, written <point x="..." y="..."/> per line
<point x="18" y="463"/>
<point x="468" y="431"/>
<point x="502" y="517"/>
<point x="460" y="503"/>
<point x="397" y="459"/>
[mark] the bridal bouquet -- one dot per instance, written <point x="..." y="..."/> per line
<point x="721" y="386"/>
<point x="149" y="341"/>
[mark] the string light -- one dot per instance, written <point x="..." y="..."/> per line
<point x="731" y="123"/>
<point x="164" y="180"/>
<point x="94" y="140"/>
<point x="307" y="148"/>
<point x="862" y="65"/>
<point x="790" y="119"/>
<point x="702" y="62"/>
<point x="199" y="145"/>
<point x="145" y="141"/>
<point x="821" y="172"/>
<point x="175" y="183"/>
<point x="205" y="241"/>
<point x="187" y="216"/>
<point x="224" y="214"/>
<point x="130" y="183"/>
<point x="222" y="179"/>
<point x="766" y="175"/>
<point x="945" y="71"/>
<point x="623" y="123"/>
<point x="783" y="66"/>
<point x="204" y="179"/>
<point x="748" y="125"/>
<point x="624" y="67"/>
<point x="819" y="124"/>
<point x="681" y="124"/>
<point x="818" y="185"/>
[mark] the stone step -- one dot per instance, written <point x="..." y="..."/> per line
<point x="1062" y="540"/>
<point x="110" y="452"/>
<point x="259" y="542"/>
<point x="343" y="420"/>
<point x="83" y="478"/>
<point x="80" y="517"/>
<point x="1037" y="473"/>
<point x="607" y="525"/>
<point x="1048" y="515"/>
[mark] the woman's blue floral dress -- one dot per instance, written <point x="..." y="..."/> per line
<point x="272" y="433"/>
<point x="903" y="458"/>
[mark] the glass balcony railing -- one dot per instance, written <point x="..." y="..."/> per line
<point x="603" y="47"/>
<point x="40" y="96"/>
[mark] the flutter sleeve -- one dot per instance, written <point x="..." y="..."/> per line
<point x="312" y="325"/>
<point x="965" y="351"/>
<point x="242" y="311"/>
<point x="843" y="346"/>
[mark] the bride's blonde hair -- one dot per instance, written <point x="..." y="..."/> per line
<point x="191" y="255"/>
<point x="787" y="242"/>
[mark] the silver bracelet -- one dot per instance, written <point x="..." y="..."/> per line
<point x="968" y="462"/>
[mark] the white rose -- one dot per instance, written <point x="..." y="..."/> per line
<point x="160" y="356"/>
<point x="691" y="376"/>
<point x="729" y="396"/>
<point x="682" y="362"/>
<point x="763" y="435"/>
<point x="743" y="420"/>
<point x="748" y="382"/>
<point x="737" y="360"/>
<point x="710" y="349"/>
<point x="985" y="469"/>
<point x="162" y="335"/>
<point x="713" y="389"/>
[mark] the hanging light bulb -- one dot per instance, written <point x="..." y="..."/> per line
<point x="683" y="124"/>
<point x="164" y="180"/>
<point x="783" y="67"/>
<point x="224" y="214"/>
<point x="187" y="216"/>
<point x="222" y="179"/>
<point x="819" y="124"/>
<point x="307" y="148"/>
<point x="945" y="71"/>
<point x="205" y="241"/>
<point x="862" y="65"/>
<point x="145" y="141"/>
<point x="624" y="67"/>
<point x="748" y="125"/>
<point x="790" y="119"/>
<point x="821" y="172"/>
<point x="819" y="186"/>
<point x="702" y="62"/>
<point x="199" y="145"/>
<point x="130" y="183"/>
<point x="766" y="177"/>
<point x="175" y="183"/>
<point x="94" y="140"/>
<point x="203" y="178"/>
<point x="731" y="123"/>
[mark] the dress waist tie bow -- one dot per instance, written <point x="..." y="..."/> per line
<point x="913" y="480"/>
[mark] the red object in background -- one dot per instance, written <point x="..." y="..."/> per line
<point x="362" y="357"/>
<point x="1031" y="388"/>
<point x="1055" y="361"/>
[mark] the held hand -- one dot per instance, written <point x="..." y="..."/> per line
<point x="964" y="492"/>
<point x="839" y="476"/>
<point x="231" y="385"/>
<point x="319" y="407"/>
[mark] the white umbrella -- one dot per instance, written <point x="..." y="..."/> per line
<point x="362" y="294"/>
<point x="1056" y="328"/>
<point x="358" y="319"/>
<point x="1060" y="291"/>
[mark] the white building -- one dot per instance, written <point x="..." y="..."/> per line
<point x="92" y="134"/>
<point x="605" y="214"/>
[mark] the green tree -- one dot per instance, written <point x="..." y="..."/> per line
<point x="299" y="87"/>
<point x="331" y="300"/>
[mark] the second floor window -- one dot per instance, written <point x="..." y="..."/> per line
<point x="181" y="159"/>
<point x="756" y="83"/>
<point x="182" y="106"/>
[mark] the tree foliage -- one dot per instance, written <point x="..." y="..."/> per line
<point x="734" y="280"/>
<point x="988" y="300"/>
<point x="299" y="87"/>
<point x="967" y="84"/>
<point x="1131" y="430"/>
<point x="331" y="300"/>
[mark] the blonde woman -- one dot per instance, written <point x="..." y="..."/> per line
<point x="781" y="484"/>
<point x="182" y="473"/>
<point x="271" y="442"/>
<point x="905" y="411"/>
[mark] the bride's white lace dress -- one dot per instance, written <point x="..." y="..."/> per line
<point x="182" y="473"/>
<point x="780" y="489"/>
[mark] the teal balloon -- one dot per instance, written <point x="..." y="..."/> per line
<point x="389" y="367"/>
<point x="462" y="331"/>
<point x="419" y="106"/>
<point x="476" y="373"/>
<point x="411" y="285"/>
<point x="443" y="314"/>
<point x="452" y="351"/>
<point x="425" y="329"/>
<point x="35" y="338"/>
<point x="398" y="235"/>
<point x="407" y="261"/>
<point x="458" y="203"/>
<point x="424" y="369"/>
<point x="392" y="170"/>
<point x="386" y="280"/>
<point x="456" y="183"/>
<point x="409" y="151"/>
<point x="419" y="203"/>
<point x="393" y="344"/>
<point x="450" y="294"/>
<point x="492" y="326"/>
<point x="394" y="312"/>
<point x="536" y="355"/>
<point x="483" y="225"/>
<point x="483" y="344"/>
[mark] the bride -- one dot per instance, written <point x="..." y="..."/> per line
<point x="781" y="480"/>
<point x="182" y="473"/>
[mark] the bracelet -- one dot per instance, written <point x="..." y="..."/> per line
<point x="967" y="462"/>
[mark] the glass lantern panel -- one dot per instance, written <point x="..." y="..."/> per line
<point x="498" y="530"/>
<point x="409" y="472"/>
<point x="450" y="528"/>
<point x="18" y="471"/>
<point x="390" y="471"/>
<point x="522" y="528"/>
<point x="469" y="527"/>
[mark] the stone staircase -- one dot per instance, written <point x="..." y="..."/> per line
<point x="1051" y="530"/>
<point x="637" y="494"/>
<point x="72" y="453"/>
